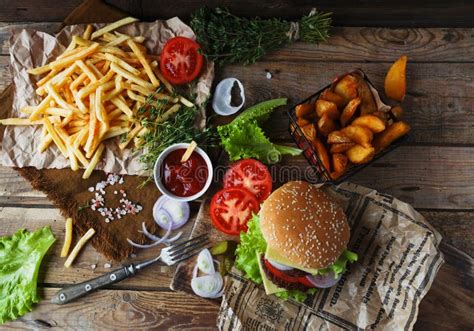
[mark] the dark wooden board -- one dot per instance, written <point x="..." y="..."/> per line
<point x="402" y="13"/>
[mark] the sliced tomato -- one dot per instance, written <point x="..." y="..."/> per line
<point x="252" y="175"/>
<point x="232" y="208"/>
<point x="180" y="60"/>
<point x="280" y="274"/>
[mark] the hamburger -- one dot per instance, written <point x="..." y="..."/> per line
<point x="297" y="243"/>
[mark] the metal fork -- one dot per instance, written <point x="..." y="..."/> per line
<point x="169" y="256"/>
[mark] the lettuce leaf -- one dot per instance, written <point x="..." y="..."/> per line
<point x="340" y="266"/>
<point x="251" y="243"/>
<point x="20" y="257"/>
<point x="243" y="138"/>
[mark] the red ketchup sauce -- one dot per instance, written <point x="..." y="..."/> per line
<point x="184" y="179"/>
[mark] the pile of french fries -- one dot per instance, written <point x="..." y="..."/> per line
<point x="345" y="127"/>
<point x="93" y="91"/>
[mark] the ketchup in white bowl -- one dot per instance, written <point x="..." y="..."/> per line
<point x="183" y="181"/>
<point x="187" y="178"/>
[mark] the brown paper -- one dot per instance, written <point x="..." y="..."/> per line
<point x="33" y="48"/>
<point x="398" y="261"/>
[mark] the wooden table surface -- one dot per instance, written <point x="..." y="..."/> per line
<point x="434" y="172"/>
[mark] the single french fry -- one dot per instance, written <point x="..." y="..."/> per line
<point x="186" y="102"/>
<point x="35" y="115"/>
<point x="136" y="97"/>
<point x="67" y="238"/>
<point x="113" y="26"/>
<point x="87" y="32"/>
<point x="112" y="58"/>
<point x="45" y="142"/>
<point x="94" y="161"/>
<point x="130" y="136"/>
<point x="55" y="136"/>
<point x="75" y="251"/>
<point x="86" y="70"/>
<point x="18" y="121"/>
<point x="136" y="50"/>
<point x="46" y="78"/>
<point x="165" y="82"/>
<point x="114" y="132"/>
<point x="119" y="103"/>
<point x="125" y="74"/>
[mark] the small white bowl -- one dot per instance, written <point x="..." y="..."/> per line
<point x="157" y="172"/>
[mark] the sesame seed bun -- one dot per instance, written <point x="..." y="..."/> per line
<point x="304" y="225"/>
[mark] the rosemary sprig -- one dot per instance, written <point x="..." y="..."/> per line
<point x="179" y="128"/>
<point x="226" y="38"/>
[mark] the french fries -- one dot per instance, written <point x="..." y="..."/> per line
<point x="93" y="91"/>
<point x="75" y="251"/>
<point x="347" y="128"/>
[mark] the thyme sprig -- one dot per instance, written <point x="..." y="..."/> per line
<point x="226" y="38"/>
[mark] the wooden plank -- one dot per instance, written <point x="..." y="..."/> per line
<point x="36" y="11"/>
<point x="403" y="13"/>
<point x="457" y="228"/>
<point x="122" y="310"/>
<point x="363" y="44"/>
<point x="438" y="104"/>
<point x="53" y="271"/>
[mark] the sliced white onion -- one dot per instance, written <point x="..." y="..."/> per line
<point x="279" y="266"/>
<point x="325" y="281"/>
<point x="221" y="102"/>
<point x="205" y="262"/>
<point x="208" y="286"/>
<point x="156" y="243"/>
<point x="148" y="234"/>
<point x="178" y="211"/>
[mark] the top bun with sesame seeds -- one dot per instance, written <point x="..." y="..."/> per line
<point x="304" y="225"/>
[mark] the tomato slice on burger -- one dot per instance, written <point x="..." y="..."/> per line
<point x="180" y="60"/>
<point x="289" y="279"/>
<point x="252" y="175"/>
<point x="232" y="208"/>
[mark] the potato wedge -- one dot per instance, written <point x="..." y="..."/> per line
<point x="360" y="154"/>
<point x="347" y="88"/>
<point x="327" y="107"/>
<point x="329" y="95"/>
<point x="384" y="116"/>
<point x="322" y="153"/>
<point x="371" y="122"/>
<point x="309" y="131"/>
<point x="392" y="133"/>
<point x="339" y="162"/>
<point x="395" y="81"/>
<point x="304" y="109"/>
<point x="326" y="125"/>
<point x="337" y="137"/>
<point x="302" y="122"/>
<point x="359" y="135"/>
<point x="340" y="147"/>
<point x="349" y="111"/>
<point x="367" y="105"/>
<point x="397" y="111"/>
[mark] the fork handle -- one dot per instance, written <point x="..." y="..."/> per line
<point x="73" y="292"/>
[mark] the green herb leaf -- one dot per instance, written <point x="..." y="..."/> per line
<point x="20" y="257"/>
<point x="226" y="38"/>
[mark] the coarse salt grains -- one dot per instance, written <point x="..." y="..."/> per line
<point x="110" y="214"/>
